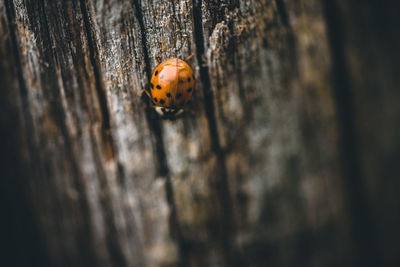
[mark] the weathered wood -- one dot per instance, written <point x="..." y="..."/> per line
<point x="288" y="160"/>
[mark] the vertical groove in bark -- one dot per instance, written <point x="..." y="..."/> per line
<point x="151" y="117"/>
<point x="227" y="227"/>
<point x="146" y="58"/>
<point x="280" y="4"/>
<point x="19" y="219"/>
<point x="84" y="235"/>
<point x="10" y="17"/>
<point x="290" y="36"/>
<point x="93" y="54"/>
<point x="156" y="129"/>
<point x="257" y="170"/>
<point x="362" y="225"/>
<point x="114" y="247"/>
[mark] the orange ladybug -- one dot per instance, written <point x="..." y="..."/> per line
<point x="171" y="87"/>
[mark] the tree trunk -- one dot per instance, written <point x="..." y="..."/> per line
<point x="290" y="158"/>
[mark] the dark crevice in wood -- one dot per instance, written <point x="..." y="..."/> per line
<point x="227" y="227"/>
<point x="362" y="225"/>
<point x="108" y="142"/>
<point x="280" y="4"/>
<point x="112" y="242"/>
<point x="38" y="166"/>
<point x="83" y="236"/>
<point x="22" y="86"/>
<point x="93" y="54"/>
<point x="174" y="225"/>
<point x="46" y="32"/>
<point x="178" y="31"/>
<point x="152" y="118"/>
<point x="163" y="169"/>
<point x="290" y="53"/>
<point x="143" y="36"/>
<point x="204" y="76"/>
<point x="24" y="244"/>
<point x="78" y="62"/>
<point x="219" y="12"/>
<point x="233" y="4"/>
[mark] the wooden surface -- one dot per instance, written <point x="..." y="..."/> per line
<point x="290" y="158"/>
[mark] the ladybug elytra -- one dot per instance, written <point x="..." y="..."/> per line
<point x="171" y="87"/>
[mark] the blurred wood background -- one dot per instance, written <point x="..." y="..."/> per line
<point x="291" y="158"/>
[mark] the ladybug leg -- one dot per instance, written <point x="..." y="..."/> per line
<point x="190" y="57"/>
<point x="144" y="92"/>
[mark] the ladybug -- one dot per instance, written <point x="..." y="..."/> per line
<point x="171" y="87"/>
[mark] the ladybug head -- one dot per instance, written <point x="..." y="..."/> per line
<point x="168" y="113"/>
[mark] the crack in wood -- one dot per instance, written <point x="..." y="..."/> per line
<point x="19" y="211"/>
<point x="101" y="92"/>
<point x="156" y="129"/>
<point x="143" y="36"/>
<point x="113" y="245"/>
<point x="362" y="224"/>
<point x="227" y="228"/>
<point x="281" y="6"/>
<point x="22" y="86"/>
<point x="291" y="43"/>
<point x="96" y="69"/>
<point x="83" y="235"/>
<point x="151" y="117"/>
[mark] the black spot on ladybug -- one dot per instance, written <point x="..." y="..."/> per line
<point x="162" y="101"/>
<point x="155" y="99"/>
<point x="178" y="95"/>
<point x="189" y="90"/>
<point x="189" y="80"/>
<point x="155" y="74"/>
<point x="180" y="81"/>
<point x="152" y="86"/>
<point x="168" y="95"/>
<point x="158" y="87"/>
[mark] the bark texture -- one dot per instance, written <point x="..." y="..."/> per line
<point x="291" y="157"/>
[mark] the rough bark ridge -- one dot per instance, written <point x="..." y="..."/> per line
<point x="289" y="160"/>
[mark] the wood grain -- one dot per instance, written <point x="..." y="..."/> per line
<point x="287" y="156"/>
